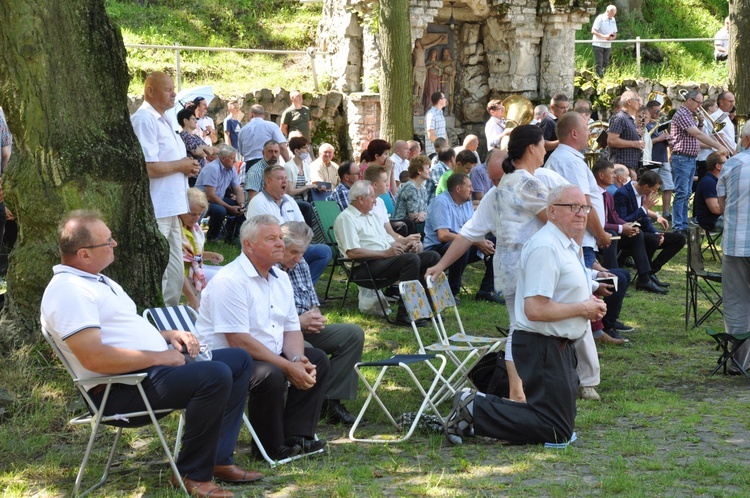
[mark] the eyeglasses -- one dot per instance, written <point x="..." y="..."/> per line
<point x="577" y="208"/>
<point x="110" y="243"/>
<point x="696" y="101"/>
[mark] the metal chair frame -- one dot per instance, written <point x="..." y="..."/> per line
<point x="696" y="275"/>
<point x="96" y="418"/>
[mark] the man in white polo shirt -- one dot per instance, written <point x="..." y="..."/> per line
<point x="99" y="331"/>
<point x="274" y="201"/>
<point x="168" y="168"/>
<point x="604" y="30"/>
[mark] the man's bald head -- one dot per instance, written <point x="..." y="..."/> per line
<point x="159" y="91"/>
<point x="495" y="158"/>
<point x="572" y="130"/>
<point x="471" y="142"/>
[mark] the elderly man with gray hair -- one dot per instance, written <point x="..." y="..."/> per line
<point x="342" y="341"/>
<point x="361" y="235"/>
<point x="215" y="180"/>
<point x="553" y="307"/>
<point x="247" y="306"/>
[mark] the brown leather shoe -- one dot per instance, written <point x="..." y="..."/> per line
<point x="608" y="339"/>
<point x="234" y="474"/>
<point x="206" y="489"/>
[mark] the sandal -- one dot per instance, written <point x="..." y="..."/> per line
<point x="458" y="424"/>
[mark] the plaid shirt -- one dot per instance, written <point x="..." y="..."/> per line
<point x="435" y="173"/>
<point x="305" y="296"/>
<point x="341" y="195"/>
<point x="734" y="184"/>
<point x="433" y="120"/>
<point x="254" y="177"/>
<point x="683" y="143"/>
<point x="5" y="137"/>
<point x="624" y="125"/>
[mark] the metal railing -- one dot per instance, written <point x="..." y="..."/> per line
<point x="177" y="48"/>
<point x="638" y="40"/>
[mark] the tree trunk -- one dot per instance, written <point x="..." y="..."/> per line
<point x="396" y="71"/>
<point x="64" y="92"/>
<point x="739" y="43"/>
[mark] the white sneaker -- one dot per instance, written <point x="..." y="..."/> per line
<point x="588" y="392"/>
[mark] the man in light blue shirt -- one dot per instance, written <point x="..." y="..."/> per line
<point x="215" y="179"/>
<point x="733" y="190"/>
<point x="445" y="217"/>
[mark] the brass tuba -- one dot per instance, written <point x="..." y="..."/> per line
<point x="518" y="111"/>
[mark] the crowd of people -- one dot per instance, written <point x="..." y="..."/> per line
<point x="552" y="235"/>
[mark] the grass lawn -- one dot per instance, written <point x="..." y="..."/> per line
<point x="663" y="426"/>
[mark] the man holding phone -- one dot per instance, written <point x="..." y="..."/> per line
<point x="604" y="31"/>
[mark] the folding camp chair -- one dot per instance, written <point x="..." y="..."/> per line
<point x="327" y="213"/>
<point x="442" y="299"/>
<point x="184" y="318"/>
<point x="728" y="345"/>
<point x="96" y="416"/>
<point x="404" y="362"/>
<point x="700" y="281"/>
<point x="713" y="239"/>
<point x="418" y="308"/>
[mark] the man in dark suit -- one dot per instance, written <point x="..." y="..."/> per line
<point x="632" y="239"/>
<point x="633" y="202"/>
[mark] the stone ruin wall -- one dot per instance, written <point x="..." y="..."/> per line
<point x="501" y="47"/>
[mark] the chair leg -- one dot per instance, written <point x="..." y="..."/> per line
<point x="96" y="422"/>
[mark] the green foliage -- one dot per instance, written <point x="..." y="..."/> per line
<point x="689" y="61"/>
<point x="253" y="24"/>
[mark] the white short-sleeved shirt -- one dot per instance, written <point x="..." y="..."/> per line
<point x="571" y="165"/>
<point x="551" y="267"/>
<point x="381" y="211"/>
<point x="399" y="165"/>
<point x="161" y="144"/>
<point x="75" y="300"/>
<point x="551" y="179"/>
<point x="241" y="301"/>
<point x="354" y="230"/>
<point x="264" y="204"/>
<point x="605" y="26"/>
<point x="509" y="211"/>
<point x="202" y="124"/>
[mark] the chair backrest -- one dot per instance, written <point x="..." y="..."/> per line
<point x="417" y="308"/>
<point x="694" y="254"/>
<point x="173" y="318"/>
<point x="328" y="211"/>
<point x="442" y="299"/>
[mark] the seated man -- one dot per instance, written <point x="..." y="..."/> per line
<point x="403" y="229"/>
<point x="248" y="306"/>
<point x="706" y="202"/>
<point x="214" y="180"/>
<point x="323" y="169"/>
<point x="631" y="237"/>
<point x="99" y="331"/>
<point x="254" y="174"/>
<point x="465" y="161"/>
<point x="342" y="341"/>
<point x="275" y="202"/>
<point x="633" y="202"/>
<point x="348" y="174"/>
<point x="360" y="234"/>
<point x="446" y="158"/>
<point x="445" y="217"/>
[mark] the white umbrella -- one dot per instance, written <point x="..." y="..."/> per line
<point x="185" y="96"/>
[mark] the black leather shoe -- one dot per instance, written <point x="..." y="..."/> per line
<point x="663" y="285"/>
<point x="308" y="445"/>
<point x="650" y="287"/>
<point x="282" y="452"/>
<point x="336" y="413"/>
<point x="621" y="327"/>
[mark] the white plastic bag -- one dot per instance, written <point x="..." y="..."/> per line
<point x="368" y="302"/>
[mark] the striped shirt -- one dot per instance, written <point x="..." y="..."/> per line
<point x="734" y="184"/>
<point x="433" y="120"/>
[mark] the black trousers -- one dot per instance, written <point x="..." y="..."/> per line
<point x="398" y="269"/>
<point x="673" y="243"/>
<point x="271" y="417"/>
<point x="636" y="247"/>
<point x="547" y="366"/>
<point x="213" y="395"/>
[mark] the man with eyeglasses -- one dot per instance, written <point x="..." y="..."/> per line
<point x="624" y="142"/>
<point x="553" y="307"/>
<point x="686" y="140"/>
<point x="559" y="105"/>
<point x="98" y="329"/>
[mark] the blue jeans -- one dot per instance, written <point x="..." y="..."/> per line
<point x="683" y="170"/>
<point x="317" y="257"/>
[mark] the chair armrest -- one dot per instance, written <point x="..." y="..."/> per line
<point x="128" y="379"/>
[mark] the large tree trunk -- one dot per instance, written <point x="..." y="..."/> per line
<point x="739" y="44"/>
<point x="396" y="71"/>
<point x="64" y="90"/>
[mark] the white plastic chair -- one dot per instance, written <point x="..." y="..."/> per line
<point x="97" y="417"/>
